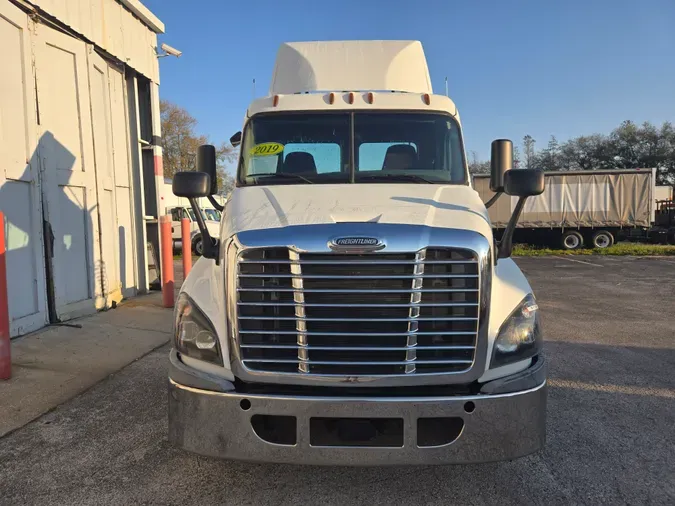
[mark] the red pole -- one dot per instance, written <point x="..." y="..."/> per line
<point x="5" y="352"/>
<point x="166" y="241"/>
<point x="185" y="240"/>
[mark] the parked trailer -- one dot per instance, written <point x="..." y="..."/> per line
<point x="592" y="208"/>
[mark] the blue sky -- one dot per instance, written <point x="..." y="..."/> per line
<point x="514" y="67"/>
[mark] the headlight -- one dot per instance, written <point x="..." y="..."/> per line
<point x="194" y="336"/>
<point x="520" y="336"/>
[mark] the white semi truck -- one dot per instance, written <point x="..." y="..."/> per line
<point x="356" y="309"/>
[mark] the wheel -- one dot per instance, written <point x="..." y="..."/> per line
<point x="572" y="240"/>
<point x="198" y="245"/>
<point x="671" y="236"/>
<point x="602" y="239"/>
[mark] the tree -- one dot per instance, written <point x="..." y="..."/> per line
<point x="516" y="157"/>
<point x="478" y="167"/>
<point x="530" y="153"/>
<point x="180" y="142"/>
<point x="549" y="158"/>
<point x="225" y="153"/>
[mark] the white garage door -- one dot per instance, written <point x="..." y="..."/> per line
<point x="68" y="170"/>
<point x="19" y="178"/>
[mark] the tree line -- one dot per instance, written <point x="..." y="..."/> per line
<point x="629" y="146"/>
<point x="180" y="142"/>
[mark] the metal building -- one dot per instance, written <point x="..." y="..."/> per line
<point x="80" y="165"/>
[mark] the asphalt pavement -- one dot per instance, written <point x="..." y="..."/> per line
<point x="610" y="329"/>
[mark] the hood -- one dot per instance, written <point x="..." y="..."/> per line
<point x="265" y="207"/>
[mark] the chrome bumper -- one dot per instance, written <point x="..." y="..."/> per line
<point x="500" y="427"/>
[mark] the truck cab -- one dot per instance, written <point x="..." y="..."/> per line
<point x="356" y="308"/>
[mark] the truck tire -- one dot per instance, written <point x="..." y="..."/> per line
<point x="671" y="236"/>
<point x="572" y="240"/>
<point x="602" y="239"/>
<point x="198" y="245"/>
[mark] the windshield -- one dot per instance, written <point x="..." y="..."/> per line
<point x="212" y="214"/>
<point x="317" y="148"/>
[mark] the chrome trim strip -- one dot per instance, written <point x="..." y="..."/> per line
<point x="353" y="399"/>
<point x="359" y="348"/>
<point x="351" y="362"/>
<point x="317" y="276"/>
<point x="412" y="318"/>
<point x="442" y="304"/>
<point x="400" y="239"/>
<point x="300" y="321"/>
<point x="320" y="290"/>
<point x="356" y="262"/>
<point x="357" y="334"/>
<point x="414" y="312"/>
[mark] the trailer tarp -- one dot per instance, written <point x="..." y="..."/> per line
<point x="573" y="200"/>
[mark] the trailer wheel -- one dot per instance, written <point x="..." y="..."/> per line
<point x="602" y="239"/>
<point x="198" y="245"/>
<point x="671" y="236"/>
<point x="572" y="240"/>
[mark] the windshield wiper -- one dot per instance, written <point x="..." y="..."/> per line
<point x="413" y="178"/>
<point x="282" y="175"/>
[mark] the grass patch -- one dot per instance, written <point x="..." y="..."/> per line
<point x="621" y="249"/>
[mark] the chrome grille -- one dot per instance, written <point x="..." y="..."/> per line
<point x="344" y="314"/>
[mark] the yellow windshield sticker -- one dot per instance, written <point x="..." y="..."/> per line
<point x="266" y="149"/>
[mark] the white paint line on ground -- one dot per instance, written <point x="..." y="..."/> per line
<point x="577" y="261"/>
<point x="666" y="393"/>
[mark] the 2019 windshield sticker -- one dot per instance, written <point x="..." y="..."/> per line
<point x="266" y="149"/>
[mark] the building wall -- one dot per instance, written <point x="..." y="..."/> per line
<point x="71" y="184"/>
<point x="113" y="27"/>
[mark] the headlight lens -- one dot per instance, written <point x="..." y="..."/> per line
<point x="520" y="336"/>
<point x="194" y="336"/>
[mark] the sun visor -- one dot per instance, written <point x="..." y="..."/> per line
<point x="392" y="65"/>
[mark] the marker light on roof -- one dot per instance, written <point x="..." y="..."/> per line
<point x="370" y="97"/>
<point x="275" y="102"/>
<point x="427" y="99"/>
<point x="331" y="98"/>
<point x="351" y="98"/>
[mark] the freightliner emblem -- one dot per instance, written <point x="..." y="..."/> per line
<point x="356" y="244"/>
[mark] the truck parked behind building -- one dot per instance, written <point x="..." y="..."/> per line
<point x="356" y="308"/>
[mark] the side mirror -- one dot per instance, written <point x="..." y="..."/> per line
<point x="501" y="161"/>
<point x="194" y="185"/>
<point x="524" y="182"/>
<point x="235" y="140"/>
<point x="191" y="185"/>
<point x="206" y="162"/>
<point x="521" y="183"/>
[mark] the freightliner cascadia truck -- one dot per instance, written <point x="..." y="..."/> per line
<point x="356" y="308"/>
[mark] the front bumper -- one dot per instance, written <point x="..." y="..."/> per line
<point x="215" y="423"/>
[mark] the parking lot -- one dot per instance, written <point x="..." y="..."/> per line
<point x="610" y="330"/>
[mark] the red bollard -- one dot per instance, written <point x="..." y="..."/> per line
<point x="187" y="247"/>
<point x="5" y="352"/>
<point x="166" y="241"/>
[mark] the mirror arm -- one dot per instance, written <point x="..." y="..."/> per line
<point x="210" y="246"/>
<point x="215" y="204"/>
<point x="494" y="199"/>
<point x="506" y="244"/>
